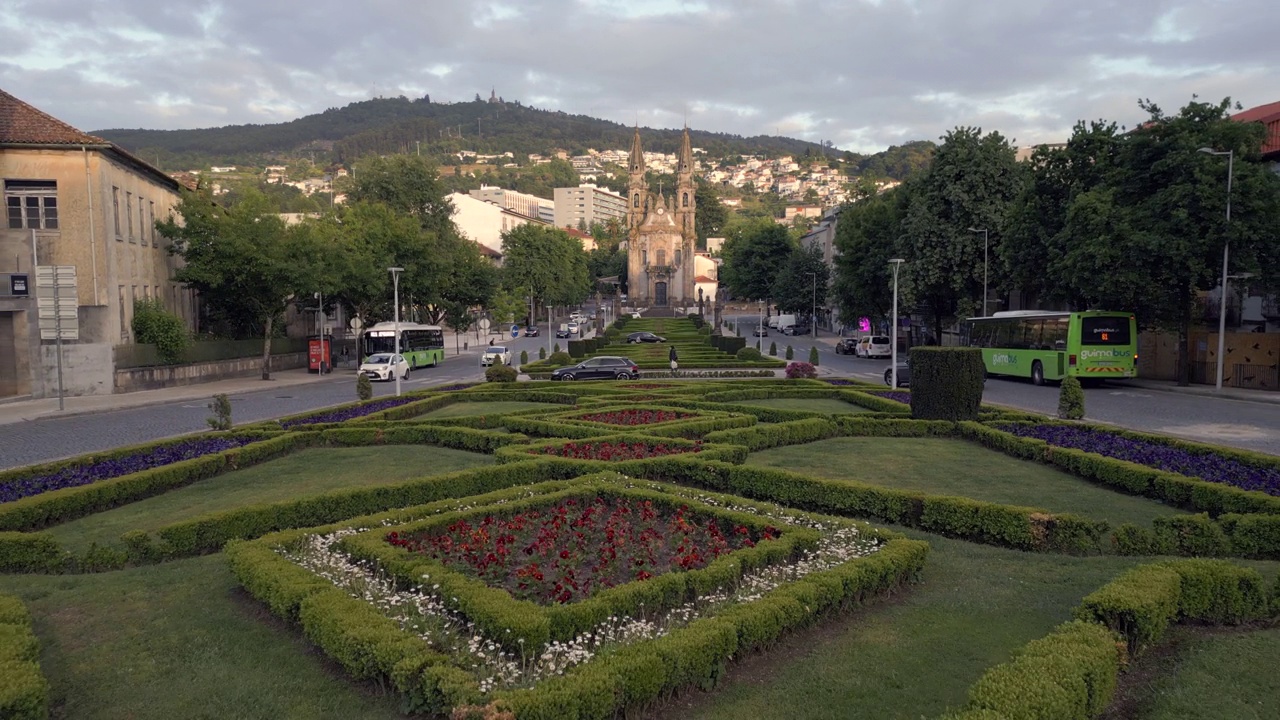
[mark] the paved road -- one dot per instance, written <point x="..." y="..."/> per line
<point x="1225" y="421"/>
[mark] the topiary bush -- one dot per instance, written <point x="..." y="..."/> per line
<point x="555" y="349"/>
<point x="364" y="388"/>
<point x="790" y="353"/>
<point x="153" y="325"/>
<point x="813" y="356"/>
<point x="773" y="349"/>
<point x="801" y="370"/>
<point x="559" y="357"/>
<point x="748" y="353"/>
<point x="542" y="353"/>
<point x="1071" y="399"/>
<point x="524" y="357"/>
<point x="946" y="383"/>
<point x="500" y="374"/>
<point x="577" y="348"/>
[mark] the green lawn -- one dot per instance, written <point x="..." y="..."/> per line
<point x="818" y="405"/>
<point x="179" y="640"/>
<point x="304" y="473"/>
<point x="957" y="467"/>
<point x="496" y="407"/>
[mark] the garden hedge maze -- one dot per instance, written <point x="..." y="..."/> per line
<point x="601" y="550"/>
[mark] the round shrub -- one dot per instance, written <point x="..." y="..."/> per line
<point x="748" y="353"/>
<point x="153" y="325"/>
<point x="364" y="388"/>
<point x="813" y="355"/>
<point x="500" y="373"/>
<point x="542" y="353"/>
<point x="1071" y="399"/>
<point x="801" y="370"/>
<point x="946" y="383"/>
<point x="790" y="353"/>
<point x="524" y="357"/>
<point x="773" y="349"/>
<point x="559" y="357"/>
<point x="555" y="349"/>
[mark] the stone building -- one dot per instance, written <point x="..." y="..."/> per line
<point x="661" y="235"/>
<point x="73" y="199"/>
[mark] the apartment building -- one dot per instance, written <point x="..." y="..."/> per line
<point x="523" y="203"/>
<point x="73" y="199"/>
<point x="587" y="204"/>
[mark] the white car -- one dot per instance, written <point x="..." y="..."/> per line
<point x="495" y="355"/>
<point x="385" y="366"/>
<point x="875" y="346"/>
<point x="574" y="328"/>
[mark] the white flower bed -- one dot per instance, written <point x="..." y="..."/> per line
<point x="426" y="614"/>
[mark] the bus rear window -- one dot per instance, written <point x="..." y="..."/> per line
<point x="1104" y="331"/>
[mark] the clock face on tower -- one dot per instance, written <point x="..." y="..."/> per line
<point x="661" y="210"/>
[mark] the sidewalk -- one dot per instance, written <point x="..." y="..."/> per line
<point x="1243" y="394"/>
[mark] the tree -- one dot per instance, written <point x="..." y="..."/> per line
<point x="867" y="236"/>
<point x="711" y="215"/>
<point x="753" y="254"/>
<point x="241" y="260"/>
<point x="802" y="278"/>
<point x="546" y="263"/>
<point x="970" y="184"/>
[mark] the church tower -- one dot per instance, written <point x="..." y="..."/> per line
<point x="637" y="188"/>
<point x="685" y="189"/>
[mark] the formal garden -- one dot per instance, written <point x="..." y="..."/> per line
<point x="711" y="548"/>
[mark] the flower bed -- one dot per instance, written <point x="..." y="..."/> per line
<point x="635" y="416"/>
<point x="91" y="472"/>
<point x="894" y="395"/>
<point x="351" y="411"/>
<point x="617" y="450"/>
<point x="576" y="548"/>
<point x="1206" y="466"/>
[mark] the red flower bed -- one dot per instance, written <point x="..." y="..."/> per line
<point x="571" y="551"/>
<point x="646" y="386"/>
<point x="635" y="417"/>
<point x="617" y="450"/>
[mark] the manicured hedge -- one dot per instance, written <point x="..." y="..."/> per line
<point x="458" y="438"/>
<point x="709" y="451"/>
<point x="874" y="402"/>
<point x="24" y="691"/>
<point x="30" y="552"/>
<point x="946" y="383"/>
<point x="760" y="437"/>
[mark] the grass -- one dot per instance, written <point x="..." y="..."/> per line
<point x="496" y="407"/>
<point x="957" y="467"/>
<point x="818" y="405"/>
<point x="179" y="640"/>
<point x="308" y="472"/>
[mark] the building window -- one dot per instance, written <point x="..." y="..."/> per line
<point x="684" y="200"/>
<point x="635" y="200"/>
<point x="115" y="205"/>
<point x="677" y="258"/>
<point x="151" y="215"/>
<point x="128" y="212"/>
<point x="142" y="223"/>
<point x="32" y="204"/>
<point x="662" y="257"/>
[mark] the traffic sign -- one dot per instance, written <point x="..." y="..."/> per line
<point x="515" y="331"/>
<point x="56" y="302"/>
<point x="484" y="324"/>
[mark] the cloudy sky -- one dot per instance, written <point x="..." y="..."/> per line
<point x="864" y="74"/>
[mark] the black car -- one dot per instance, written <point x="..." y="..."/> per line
<point x="796" y="330"/>
<point x="563" y="333"/>
<point x="645" y="337"/>
<point x="904" y="375"/>
<point x="760" y="331"/>
<point x="847" y="346"/>
<point x="599" y="368"/>
<point x="531" y="331"/>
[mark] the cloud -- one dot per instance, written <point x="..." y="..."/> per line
<point x="863" y="74"/>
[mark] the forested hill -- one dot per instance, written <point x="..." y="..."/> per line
<point x="388" y="125"/>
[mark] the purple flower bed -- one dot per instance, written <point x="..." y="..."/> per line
<point x="92" y="472"/>
<point x="840" y="381"/>
<point x="902" y="397"/>
<point x="348" y="413"/>
<point x="448" y="388"/>
<point x="1207" y="466"/>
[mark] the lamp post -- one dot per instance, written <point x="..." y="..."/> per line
<point x="813" y="311"/>
<point x="760" y="328"/>
<point x="984" y="267"/>
<point x="395" y="285"/>
<point x="1226" y="248"/>
<point x="320" y="329"/>
<point x="893" y="340"/>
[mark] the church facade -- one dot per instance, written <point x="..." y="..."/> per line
<point x="661" y="235"/>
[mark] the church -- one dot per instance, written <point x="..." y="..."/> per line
<point x="660" y="235"/>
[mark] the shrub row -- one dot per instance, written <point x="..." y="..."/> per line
<point x="890" y="426"/>
<point x="458" y="438"/>
<point x="975" y="520"/>
<point x="34" y="552"/>
<point x="59" y="506"/>
<point x="1235" y="535"/>
<point x="697" y="654"/>
<point x="24" y="691"/>
<point x="875" y="402"/>
<point x="734" y="454"/>
<point x="761" y="437"/>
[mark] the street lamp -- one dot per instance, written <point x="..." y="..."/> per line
<point x="760" y="328"/>
<point x="395" y="285"/>
<point x="893" y="340"/>
<point x="813" y="312"/>
<point x="984" y="267"/>
<point x="1226" y="247"/>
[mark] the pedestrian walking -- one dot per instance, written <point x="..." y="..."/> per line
<point x="674" y="363"/>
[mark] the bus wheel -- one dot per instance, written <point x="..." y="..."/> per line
<point x="1037" y="373"/>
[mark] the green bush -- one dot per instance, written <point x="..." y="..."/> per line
<point x="813" y="356"/>
<point x="542" y="353"/>
<point x="1196" y="535"/>
<point x="29" y="552"/>
<point x="364" y="388"/>
<point x="524" y="357"/>
<point x="748" y="354"/>
<point x="555" y="349"/>
<point x="773" y="349"/>
<point x="577" y="349"/>
<point x="221" y="409"/>
<point x="1129" y="539"/>
<point x="24" y="691"/>
<point x="791" y="354"/>
<point x="559" y="358"/>
<point x="153" y="325"/>
<point x="946" y="383"/>
<point x="731" y="344"/>
<point x="1138" y="605"/>
<point x="1071" y="399"/>
<point x="500" y="374"/>
<point x="1220" y="592"/>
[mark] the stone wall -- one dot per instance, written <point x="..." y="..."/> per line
<point x="152" y="378"/>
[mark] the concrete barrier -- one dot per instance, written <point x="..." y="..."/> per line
<point x="162" y="376"/>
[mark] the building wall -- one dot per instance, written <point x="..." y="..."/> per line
<point x="587" y="204"/>
<point x="112" y="269"/>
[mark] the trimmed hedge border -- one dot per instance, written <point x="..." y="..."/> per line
<point x="734" y="454"/>
<point x="24" y="691"/>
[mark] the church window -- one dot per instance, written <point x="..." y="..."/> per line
<point x="677" y="257"/>
<point x="684" y="200"/>
<point x="635" y="201"/>
<point x="662" y="257"/>
<point x="644" y="256"/>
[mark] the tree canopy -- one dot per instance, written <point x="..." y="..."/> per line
<point x="753" y="253"/>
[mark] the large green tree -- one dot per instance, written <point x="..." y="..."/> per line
<point x="867" y="235"/>
<point x="710" y="216"/>
<point x="801" y="284"/>
<point x="754" y="252"/>
<point x="545" y="263"/>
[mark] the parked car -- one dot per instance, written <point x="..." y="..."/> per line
<point x="847" y="346"/>
<point x="904" y="375"/>
<point x="385" y="366"/>
<point x="602" y="367"/>
<point x="796" y="330"/>
<point x="760" y="331"/>
<point x="531" y="331"/>
<point x="645" y="337"/>
<point x="875" y="346"/>
<point x="495" y="355"/>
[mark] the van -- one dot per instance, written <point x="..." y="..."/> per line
<point x="778" y="322"/>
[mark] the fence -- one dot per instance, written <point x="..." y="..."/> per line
<point x="140" y="355"/>
<point x="1256" y="377"/>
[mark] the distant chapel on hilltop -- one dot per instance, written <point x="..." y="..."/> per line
<point x="660" y="234"/>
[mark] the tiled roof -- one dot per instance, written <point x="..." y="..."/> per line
<point x="22" y="124"/>
<point x="1268" y="115"/>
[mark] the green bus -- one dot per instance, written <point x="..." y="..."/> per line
<point x="1040" y="345"/>
<point x="421" y="345"/>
